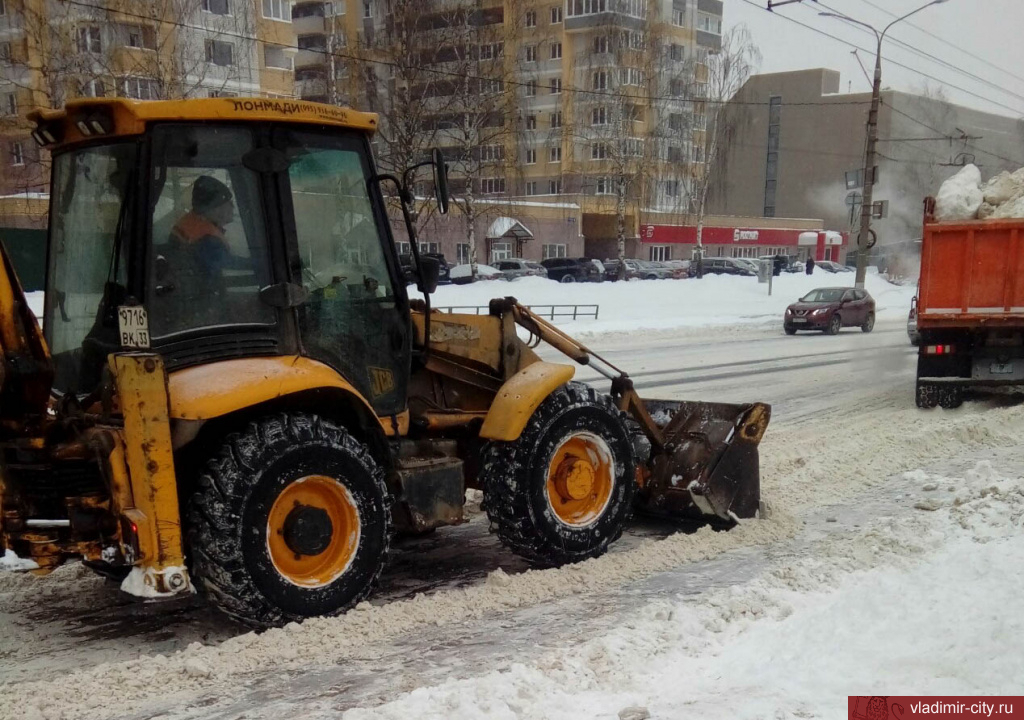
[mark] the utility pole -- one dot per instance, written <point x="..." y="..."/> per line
<point x="867" y="206"/>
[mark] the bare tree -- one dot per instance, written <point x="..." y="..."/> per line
<point x="724" y="73"/>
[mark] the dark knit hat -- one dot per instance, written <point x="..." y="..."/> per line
<point x="208" y="193"/>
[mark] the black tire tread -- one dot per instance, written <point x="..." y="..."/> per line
<point x="507" y="503"/>
<point x="213" y="536"/>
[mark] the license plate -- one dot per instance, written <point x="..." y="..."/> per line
<point x="133" y="327"/>
<point x="799" y="320"/>
<point x="1001" y="368"/>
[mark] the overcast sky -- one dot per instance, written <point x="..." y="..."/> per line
<point x="989" y="30"/>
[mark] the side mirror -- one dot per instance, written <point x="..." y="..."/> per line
<point x="430" y="273"/>
<point x="440" y="180"/>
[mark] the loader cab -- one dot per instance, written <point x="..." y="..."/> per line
<point x="209" y="232"/>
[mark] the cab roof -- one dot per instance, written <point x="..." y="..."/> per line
<point x="87" y="119"/>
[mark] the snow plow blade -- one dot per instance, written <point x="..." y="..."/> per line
<point x="708" y="464"/>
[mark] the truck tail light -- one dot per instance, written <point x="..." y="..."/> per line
<point x="938" y="349"/>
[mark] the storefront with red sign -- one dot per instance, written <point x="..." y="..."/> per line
<point x="678" y="242"/>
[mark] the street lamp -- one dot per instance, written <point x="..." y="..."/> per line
<point x="869" y="155"/>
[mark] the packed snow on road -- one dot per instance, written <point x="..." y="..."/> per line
<point x="885" y="561"/>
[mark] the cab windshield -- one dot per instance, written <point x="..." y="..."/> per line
<point x="88" y="264"/>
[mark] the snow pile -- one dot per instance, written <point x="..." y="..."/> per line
<point x="923" y="605"/>
<point x="464" y="271"/>
<point x="655" y="305"/>
<point x="12" y="562"/>
<point x="965" y="197"/>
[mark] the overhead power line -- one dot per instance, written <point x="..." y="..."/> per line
<point x="956" y="47"/>
<point x="1016" y="111"/>
<point x="460" y="76"/>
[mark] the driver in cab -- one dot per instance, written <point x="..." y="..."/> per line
<point x="197" y="240"/>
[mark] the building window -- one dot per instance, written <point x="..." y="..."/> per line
<point x="403" y="248"/>
<point x="587" y="7"/>
<point x="531" y="53"/>
<point x="598" y="151"/>
<point x="556" y="120"/>
<point x="367" y="9"/>
<point x="599" y="116"/>
<point x="500" y="251"/>
<point x="555" y="187"/>
<point x="698" y="153"/>
<point x="461" y="253"/>
<point x="217" y="7"/>
<point x="556" y="86"/>
<point x="3" y="8"/>
<point x="604" y="186"/>
<point x="492" y="186"/>
<point x="633" y="147"/>
<point x="531" y="156"/>
<point x="530" y="90"/>
<point x="219" y="52"/>
<point x="492" y="51"/>
<point x="555" y="154"/>
<point x="277" y="10"/>
<point x="5" y="52"/>
<point x="311" y="42"/>
<point x="660" y="253"/>
<point x="671" y="188"/>
<point x="675" y="122"/>
<point x="492" y="153"/>
<point x="556" y="51"/>
<point x="93" y="88"/>
<point x="10" y="104"/>
<point x="17" y="154"/>
<point x="637" y="41"/>
<point x="531" y="19"/>
<point x="601" y="80"/>
<point x="676" y="51"/>
<point x="276" y="57"/>
<point x="553" y="250"/>
<point x="771" y="174"/>
<point x="89" y="40"/>
<point x="600" y="44"/>
<point x="556" y="15"/>
<point x="709" y="23"/>
<point x="221" y="94"/>
<point x="430" y="247"/>
<point x="531" y="120"/>
<point x="632" y="76"/>
<point x="679" y="18"/>
<point x="531" y="187"/>
<point x="140" y="88"/>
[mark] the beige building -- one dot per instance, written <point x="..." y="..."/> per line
<point x="796" y="144"/>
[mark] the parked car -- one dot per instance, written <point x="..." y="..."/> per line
<point x="462" y="274"/>
<point x="517" y="267"/>
<point x="830" y="310"/>
<point x="829" y="266"/>
<point x="727" y="266"/>
<point x="750" y="263"/>
<point x="409" y="271"/>
<point x="912" y="332"/>
<point x="611" y="269"/>
<point x="653" y="270"/>
<point x="682" y="268"/>
<point x="568" y="270"/>
<point x="601" y="270"/>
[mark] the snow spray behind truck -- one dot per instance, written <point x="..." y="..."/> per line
<point x="970" y="307"/>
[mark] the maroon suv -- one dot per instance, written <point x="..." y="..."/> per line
<point x="830" y="310"/>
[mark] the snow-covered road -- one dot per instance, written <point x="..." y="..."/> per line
<point x="703" y="624"/>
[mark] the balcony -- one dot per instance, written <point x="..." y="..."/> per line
<point x="583" y="15"/>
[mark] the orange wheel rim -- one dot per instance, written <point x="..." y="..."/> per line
<point x="317" y="558"/>
<point x="581" y="475"/>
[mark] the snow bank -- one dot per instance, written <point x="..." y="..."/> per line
<point x="12" y="562"/>
<point x="919" y="605"/>
<point x="715" y="300"/>
<point x="964" y="197"/>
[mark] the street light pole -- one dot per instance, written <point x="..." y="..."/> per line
<point x="867" y="202"/>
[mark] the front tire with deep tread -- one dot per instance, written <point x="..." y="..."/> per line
<point x="515" y="478"/>
<point x="227" y="537"/>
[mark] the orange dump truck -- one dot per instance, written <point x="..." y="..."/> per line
<point x="970" y="307"/>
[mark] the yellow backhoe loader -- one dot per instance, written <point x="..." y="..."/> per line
<point x="235" y="395"/>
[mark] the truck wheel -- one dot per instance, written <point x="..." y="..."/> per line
<point x="927" y="396"/>
<point x="291" y="520"/>
<point x="869" y="324"/>
<point x="789" y="330"/>
<point x="563" y="491"/>
<point x="951" y="397"/>
<point x="834" y="325"/>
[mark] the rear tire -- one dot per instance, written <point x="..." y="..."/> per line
<point x="537" y="503"/>
<point x="568" y="279"/>
<point x="291" y="520"/>
<point x="834" y="325"/>
<point x="869" y="324"/>
<point x="927" y="396"/>
<point x="951" y="397"/>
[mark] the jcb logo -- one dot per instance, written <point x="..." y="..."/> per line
<point x="382" y="381"/>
